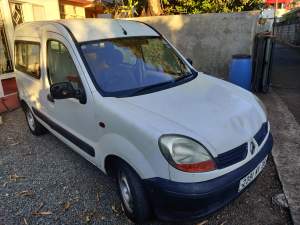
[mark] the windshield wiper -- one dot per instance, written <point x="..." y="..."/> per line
<point x="150" y="87"/>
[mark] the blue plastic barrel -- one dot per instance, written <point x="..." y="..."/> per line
<point x="240" y="71"/>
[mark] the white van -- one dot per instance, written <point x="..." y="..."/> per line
<point x="180" y="143"/>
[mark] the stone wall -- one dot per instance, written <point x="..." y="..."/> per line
<point x="208" y="39"/>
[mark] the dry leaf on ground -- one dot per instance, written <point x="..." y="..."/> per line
<point x="25" y="193"/>
<point x="15" y="143"/>
<point x="45" y="213"/>
<point x="88" y="217"/>
<point x="15" y="177"/>
<point x="67" y="205"/>
<point x="114" y="209"/>
<point x="40" y="213"/>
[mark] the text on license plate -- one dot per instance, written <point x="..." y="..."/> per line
<point x="252" y="175"/>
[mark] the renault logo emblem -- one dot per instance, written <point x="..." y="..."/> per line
<point x="252" y="147"/>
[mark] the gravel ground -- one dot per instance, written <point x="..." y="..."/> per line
<point x="42" y="181"/>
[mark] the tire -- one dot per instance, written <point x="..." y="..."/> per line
<point x="138" y="208"/>
<point x="34" y="126"/>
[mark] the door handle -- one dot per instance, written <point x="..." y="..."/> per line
<point x="50" y="98"/>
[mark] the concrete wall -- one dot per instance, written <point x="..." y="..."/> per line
<point x="208" y="39"/>
<point x="45" y="10"/>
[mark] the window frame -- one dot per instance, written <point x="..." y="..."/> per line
<point x="21" y="68"/>
<point x="47" y="62"/>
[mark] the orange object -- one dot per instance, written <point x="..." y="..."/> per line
<point x="197" y="167"/>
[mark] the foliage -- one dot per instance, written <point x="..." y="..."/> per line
<point x="130" y="8"/>
<point x="207" y="6"/>
<point x="127" y="8"/>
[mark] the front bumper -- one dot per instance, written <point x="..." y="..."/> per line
<point x="187" y="201"/>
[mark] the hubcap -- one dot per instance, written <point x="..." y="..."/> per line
<point x="30" y="120"/>
<point x="125" y="192"/>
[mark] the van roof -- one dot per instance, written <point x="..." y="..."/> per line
<point x="91" y="29"/>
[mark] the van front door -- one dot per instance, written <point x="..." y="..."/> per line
<point x="71" y="120"/>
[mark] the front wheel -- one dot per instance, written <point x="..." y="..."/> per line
<point x="34" y="126"/>
<point x="132" y="194"/>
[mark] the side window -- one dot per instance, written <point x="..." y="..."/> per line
<point x="27" y="58"/>
<point x="61" y="67"/>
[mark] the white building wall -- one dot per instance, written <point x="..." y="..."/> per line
<point x="49" y="9"/>
<point x="32" y="10"/>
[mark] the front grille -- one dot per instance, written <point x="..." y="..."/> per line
<point x="239" y="153"/>
<point x="233" y="156"/>
<point x="261" y="134"/>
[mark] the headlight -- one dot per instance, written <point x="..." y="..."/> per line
<point x="262" y="105"/>
<point x="186" y="154"/>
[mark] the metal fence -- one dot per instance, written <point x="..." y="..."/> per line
<point x="288" y="31"/>
<point x="286" y="53"/>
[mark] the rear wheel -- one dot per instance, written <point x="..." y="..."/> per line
<point x="134" y="200"/>
<point x="34" y="126"/>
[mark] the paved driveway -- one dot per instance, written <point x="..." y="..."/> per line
<point x="286" y="76"/>
<point x="286" y="84"/>
<point x="42" y="181"/>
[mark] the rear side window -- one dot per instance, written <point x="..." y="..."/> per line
<point x="27" y="58"/>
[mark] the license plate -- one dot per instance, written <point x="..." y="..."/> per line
<point x="252" y="175"/>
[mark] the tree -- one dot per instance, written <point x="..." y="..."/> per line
<point x="207" y="6"/>
<point x="130" y="8"/>
<point x="120" y="8"/>
<point x="154" y="8"/>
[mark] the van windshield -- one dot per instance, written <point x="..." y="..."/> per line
<point x="132" y="66"/>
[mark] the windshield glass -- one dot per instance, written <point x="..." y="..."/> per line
<point x="133" y="64"/>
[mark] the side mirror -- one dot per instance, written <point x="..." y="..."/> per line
<point x="64" y="90"/>
<point x="190" y="61"/>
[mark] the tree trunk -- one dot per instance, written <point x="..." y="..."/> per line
<point x="154" y="8"/>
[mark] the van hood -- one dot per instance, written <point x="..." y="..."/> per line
<point x="219" y="114"/>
